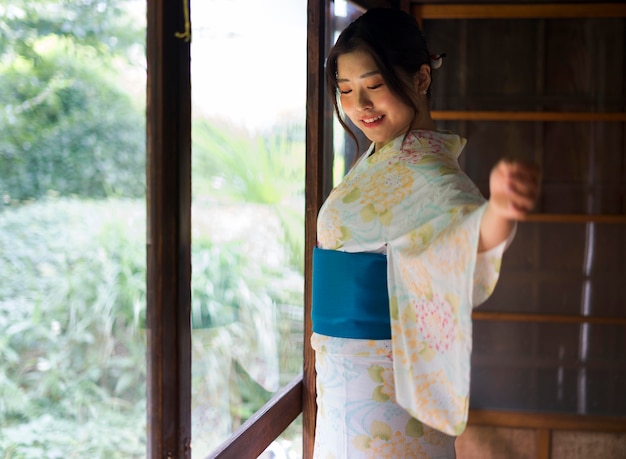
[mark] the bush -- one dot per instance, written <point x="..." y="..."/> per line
<point x="72" y="352"/>
<point x="67" y="127"/>
<point x="72" y="345"/>
<point x="244" y="168"/>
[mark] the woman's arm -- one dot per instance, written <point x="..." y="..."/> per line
<point x="514" y="188"/>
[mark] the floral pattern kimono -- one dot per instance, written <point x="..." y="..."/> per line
<point x="406" y="397"/>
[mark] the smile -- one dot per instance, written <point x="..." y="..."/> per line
<point x="372" y="120"/>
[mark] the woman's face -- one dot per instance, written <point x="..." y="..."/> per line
<point x="367" y="100"/>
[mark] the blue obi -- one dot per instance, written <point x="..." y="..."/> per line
<point x="350" y="297"/>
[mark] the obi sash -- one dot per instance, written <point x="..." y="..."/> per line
<point x="350" y="297"/>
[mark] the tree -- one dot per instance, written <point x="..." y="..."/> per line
<point x="104" y="25"/>
<point x="68" y="126"/>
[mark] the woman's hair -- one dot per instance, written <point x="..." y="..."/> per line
<point x="394" y="40"/>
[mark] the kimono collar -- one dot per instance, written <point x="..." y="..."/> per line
<point x="445" y="142"/>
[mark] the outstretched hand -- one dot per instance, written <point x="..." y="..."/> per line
<point x="514" y="188"/>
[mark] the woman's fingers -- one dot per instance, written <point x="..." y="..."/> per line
<point x="515" y="187"/>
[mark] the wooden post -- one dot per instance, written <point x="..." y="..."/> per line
<point x="544" y="443"/>
<point x="317" y="25"/>
<point x="169" y="230"/>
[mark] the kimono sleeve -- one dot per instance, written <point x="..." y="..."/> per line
<point x="431" y="275"/>
<point x="487" y="270"/>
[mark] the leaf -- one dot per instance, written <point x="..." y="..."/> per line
<point x="386" y="217"/>
<point x="428" y="353"/>
<point x="497" y="264"/>
<point x="380" y="430"/>
<point x="368" y="213"/>
<point x="453" y="300"/>
<point x="425" y="233"/>
<point x="393" y="307"/>
<point x="346" y="234"/>
<point x="446" y="170"/>
<point x="379" y="396"/>
<point x="414" y="428"/>
<point x="429" y="159"/>
<point x="408" y="315"/>
<point x="352" y="196"/>
<point x="376" y="373"/>
<point x="361" y="442"/>
<point x="124" y="382"/>
<point x="459" y="428"/>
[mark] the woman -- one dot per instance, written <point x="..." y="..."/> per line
<point x="406" y="247"/>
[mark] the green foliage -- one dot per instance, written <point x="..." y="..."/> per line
<point x="110" y="435"/>
<point x="292" y="220"/>
<point x="72" y="296"/>
<point x="73" y="286"/>
<point x="260" y="169"/>
<point x="103" y="25"/>
<point x="246" y="168"/>
<point x="68" y="127"/>
<point x="247" y="316"/>
<point x="72" y="353"/>
<point x="72" y="346"/>
<point x="215" y="284"/>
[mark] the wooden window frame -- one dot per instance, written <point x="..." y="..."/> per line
<point x="543" y="423"/>
<point x="168" y="169"/>
<point x="169" y="231"/>
<point x="168" y="243"/>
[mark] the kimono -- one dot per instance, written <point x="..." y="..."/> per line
<point x="407" y="396"/>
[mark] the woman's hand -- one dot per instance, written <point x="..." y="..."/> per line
<point x="514" y="188"/>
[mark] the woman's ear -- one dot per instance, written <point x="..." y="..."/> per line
<point x="422" y="79"/>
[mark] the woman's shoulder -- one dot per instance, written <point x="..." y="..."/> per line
<point x="429" y="148"/>
<point x="444" y="142"/>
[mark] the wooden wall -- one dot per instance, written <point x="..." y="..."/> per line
<point x="547" y="83"/>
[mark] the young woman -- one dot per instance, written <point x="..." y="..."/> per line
<point x="406" y="247"/>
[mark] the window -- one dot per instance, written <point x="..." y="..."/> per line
<point x="545" y="90"/>
<point x="72" y="229"/>
<point x="170" y="303"/>
<point x="248" y="156"/>
<point x="170" y="234"/>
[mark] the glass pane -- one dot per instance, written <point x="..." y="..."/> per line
<point x="72" y="229"/>
<point x="563" y="268"/>
<point x="583" y="167"/>
<point x="549" y="367"/>
<point x="248" y="147"/>
<point x="538" y="64"/>
<point x="574" y="269"/>
<point x="288" y="445"/>
<point x="344" y="149"/>
<point x="560" y="65"/>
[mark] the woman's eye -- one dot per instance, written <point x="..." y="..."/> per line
<point x="375" y="86"/>
<point x="345" y="91"/>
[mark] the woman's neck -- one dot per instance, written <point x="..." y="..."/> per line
<point x="424" y="121"/>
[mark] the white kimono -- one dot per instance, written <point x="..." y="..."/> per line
<point x="408" y="396"/>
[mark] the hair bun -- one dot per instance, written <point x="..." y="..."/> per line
<point x="436" y="60"/>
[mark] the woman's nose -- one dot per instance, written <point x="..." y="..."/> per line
<point x="363" y="102"/>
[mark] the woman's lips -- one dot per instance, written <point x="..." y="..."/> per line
<point x="372" y="121"/>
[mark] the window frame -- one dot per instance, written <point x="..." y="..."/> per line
<point x="168" y="136"/>
<point x="544" y="424"/>
<point x="169" y="239"/>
